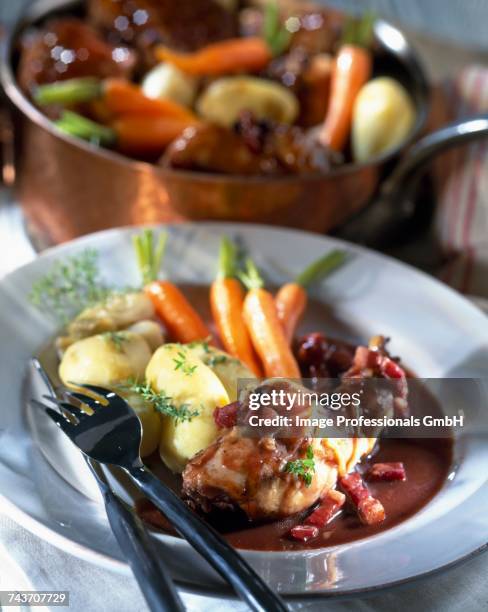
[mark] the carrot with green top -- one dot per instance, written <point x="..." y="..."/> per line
<point x="119" y="97"/>
<point x="131" y="134"/>
<point x="265" y="329"/>
<point x="230" y="56"/>
<point x="226" y="302"/>
<point x="182" y="321"/>
<point x="352" y="69"/>
<point x="291" y="299"/>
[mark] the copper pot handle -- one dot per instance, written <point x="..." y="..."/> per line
<point x="417" y="158"/>
<point x="386" y="219"/>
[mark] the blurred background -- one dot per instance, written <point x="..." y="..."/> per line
<point x="459" y="21"/>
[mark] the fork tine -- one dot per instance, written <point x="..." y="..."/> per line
<point x="84" y="399"/>
<point x="103" y="393"/>
<point x="61" y="421"/>
<point x="72" y="410"/>
<point x="42" y="372"/>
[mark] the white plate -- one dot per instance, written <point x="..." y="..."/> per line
<point x="434" y="329"/>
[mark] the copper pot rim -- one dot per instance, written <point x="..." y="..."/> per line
<point x="29" y="110"/>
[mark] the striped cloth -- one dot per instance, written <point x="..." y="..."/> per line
<point x="461" y="224"/>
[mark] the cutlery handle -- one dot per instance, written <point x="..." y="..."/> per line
<point x="157" y="588"/>
<point x="222" y="556"/>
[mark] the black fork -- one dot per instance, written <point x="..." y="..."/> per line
<point x="112" y="434"/>
<point x="153" y="578"/>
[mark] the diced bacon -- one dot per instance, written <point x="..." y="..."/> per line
<point x="387" y="471"/>
<point x="391" y="369"/>
<point x="226" y="416"/>
<point x="327" y="510"/>
<point x="303" y="533"/>
<point x="369" y="509"/>
<point x="354" y="487"/>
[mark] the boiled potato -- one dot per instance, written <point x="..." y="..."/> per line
<point x="183" y="377"/>
<point x="105" y="359"/>
<point x="225" y="99"/>
<point x="383" y="117"/>
<point x="227" y="368"/>
<point x="116" y="312"/>
<point x="168" y="81"/>
<point x="150" y="421"/>
<point x="150" y="331"/>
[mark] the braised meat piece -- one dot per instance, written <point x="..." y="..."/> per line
<point x="249" y="473"/>
<point x="253" y="147"/>
<point x="308" y="77"/>
<point x="186" y="25"/>
<point x="211" y="148"/>
<point x="69" y="48"/>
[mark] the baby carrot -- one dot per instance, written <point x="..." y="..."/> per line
<point x="226" y="57"/>
<point x="180" y="318"/>
<point x="352" y="69"/>
<point x="226" y="302"/>
<point x="124" y="98"/>
<point x="144" y="135"/>
<point x="119" y="97"/>
<point x="265" y="329"/>
<point x="291" y="299"/>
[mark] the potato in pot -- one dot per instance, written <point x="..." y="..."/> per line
<point x="226" y="98"/>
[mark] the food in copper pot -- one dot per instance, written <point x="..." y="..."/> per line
<point x="135" y="76"/>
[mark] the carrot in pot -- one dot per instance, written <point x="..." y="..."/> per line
<point x="352" y="69"/>
<point x="182" y="321"/>
<point x="291" y="299"/>
<point x="118" y="96"/>
<point x="226" y="302"/>
<point x="265" y="329"/>
<point x="144" y="135"/>
<point x="124" y="98"/>
<point x="226" y="57"/>
<point x="131" y="134"/>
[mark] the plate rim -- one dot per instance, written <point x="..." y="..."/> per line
<point x="85" y="552"/>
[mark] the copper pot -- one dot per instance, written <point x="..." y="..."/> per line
<point x="68" y="187"/>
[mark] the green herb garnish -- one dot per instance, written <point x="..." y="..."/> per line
<point x="70" y="287"/>
<point x="183" y="365"/>
<point x="149" y="254"/>
<point x="303" y="468"/>
<point x="275" y="34"/>
<point x="162" y="403"/>
<point x="203" y="343"/>
<point x="116" y="338"/>
<point x="215" y="360"/>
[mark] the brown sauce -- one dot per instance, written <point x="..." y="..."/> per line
<point x="427" y="463"/>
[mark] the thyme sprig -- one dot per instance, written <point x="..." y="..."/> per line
<point x="70" y="286"/>
<point x="116" y="338"/>
<point x="183" y="365"/>
<point x="162" y="403"/>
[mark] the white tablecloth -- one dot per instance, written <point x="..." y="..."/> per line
<point x="27" y="560"/>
